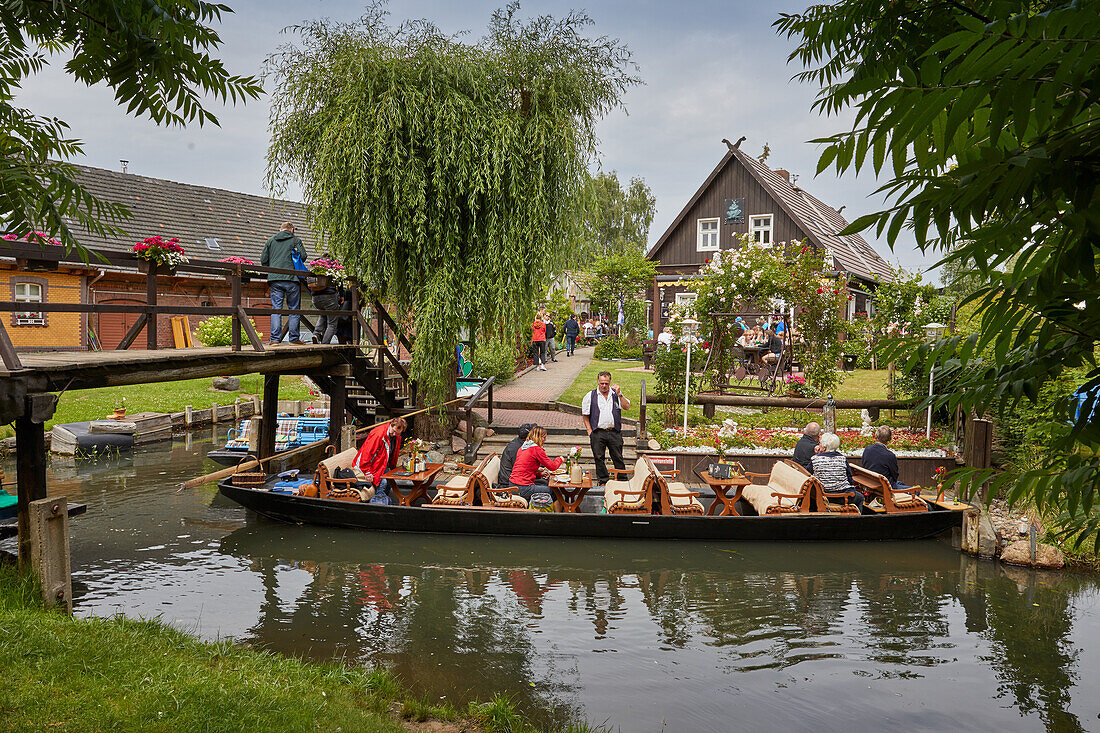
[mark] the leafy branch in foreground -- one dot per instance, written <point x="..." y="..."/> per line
<point x="151" y="53"/>
<point x="987" y="113"/>
<point x="446" y="174"/>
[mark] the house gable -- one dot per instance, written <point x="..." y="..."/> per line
<point x="678" y="246"/>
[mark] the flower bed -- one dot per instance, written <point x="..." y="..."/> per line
<point x="706" y="439"/>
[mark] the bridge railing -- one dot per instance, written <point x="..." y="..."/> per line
<point x="39" y="258"/>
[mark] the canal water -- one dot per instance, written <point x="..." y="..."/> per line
<point x="671" y="636"/>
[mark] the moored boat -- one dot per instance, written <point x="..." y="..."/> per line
<point x="813" y="526"/>
<point x="292" y="432"/>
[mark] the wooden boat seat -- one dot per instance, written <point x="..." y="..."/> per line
<point x="324" y="477"/>
<point x="675" y="497"/>
<point x="894" y="502"/>
<point x="787" y="490"/>
<point x="831" y="503"/>
<point x="461" y="490"/>
<point x="633" y="496"/>
<point x="504" y="497"/>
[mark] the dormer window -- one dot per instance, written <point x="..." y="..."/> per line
<point x="706" y="239"/>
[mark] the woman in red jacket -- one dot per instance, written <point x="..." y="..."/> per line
<point x="525" y="474"/>
<point x="378" y="455"/>
<point x="538" y="338"/>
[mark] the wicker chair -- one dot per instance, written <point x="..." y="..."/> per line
<point x="676" y="498"/>
<point x="633" y="496"/>
<point x="893" y="501"/>
<point x="462" y="490"/>
<point x="786" y="490"/>
<point x="324" y="479"/>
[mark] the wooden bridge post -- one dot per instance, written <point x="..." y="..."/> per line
<point x="151" y="301"/>
<point x="235" y="285"/>
<point x="337" y="402"/>
<point x="270" y="420"/>
<point x="30" y="462"/>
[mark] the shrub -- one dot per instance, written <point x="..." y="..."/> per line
<point x="615" y="347"/>
<point x="495" y="357"/>
<point x="218" y="331"/>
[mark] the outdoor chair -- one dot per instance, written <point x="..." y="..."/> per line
<point x="632" y="496"/>
<point x="893" y="501"/>
<point x="503" y="498"/>
<point x="325" y="475"/>
<point x="462" y="489"/>
<point x="676" y="497"/>
<point x="786" y="490"/>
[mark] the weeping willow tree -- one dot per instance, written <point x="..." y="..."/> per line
<point x="444" y="173"/>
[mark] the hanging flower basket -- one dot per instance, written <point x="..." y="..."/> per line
<point x="166" y="254"/>
<point x="246" y="276"/>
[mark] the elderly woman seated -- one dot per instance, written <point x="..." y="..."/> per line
<point x="831" y="468"/>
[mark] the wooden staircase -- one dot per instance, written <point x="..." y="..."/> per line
<point x="560" y="440"/>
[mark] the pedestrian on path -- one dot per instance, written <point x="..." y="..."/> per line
<point x="538" y="340"/>
<point x="602" y="414"/>
<point x="285" y="289"/>
<point x="572" y="330"/>
<point x="551" y="333"/>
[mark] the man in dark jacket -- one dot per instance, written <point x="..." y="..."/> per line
<point x="807" y="445"/>
<point x="880" y="459"/>
<point x="286" y="290"/>
<point x="572" y="330"/>
<point x="508" y="455"/>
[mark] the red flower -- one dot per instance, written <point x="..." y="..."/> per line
<point x="820" y="290"/>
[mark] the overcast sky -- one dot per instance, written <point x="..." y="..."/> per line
<point x="712" y="70"/>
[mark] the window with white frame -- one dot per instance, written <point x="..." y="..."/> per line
<point x="28" y="293"/>
<point x="684" y="298"/>
<point x="706" y="235"/>
<point x="761" y="228"/>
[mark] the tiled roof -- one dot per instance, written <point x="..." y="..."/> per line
<point x="851" y="253"/>
<point x="240" y="222"/>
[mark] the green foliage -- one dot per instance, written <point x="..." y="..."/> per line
<point x="496" y="356"/>
<point x="448" y="173"/>
<point x="987" y="114"/>
<point x="755" y="276"/>
<point x="151" y="53"/>
<point x="617" y="279"/>
<point x="218" y="331"/>
<point x="615" y="347"/>
<point x="616" y="220"/>
<point x="669" y="372"/>
<point x="557" y="305"/>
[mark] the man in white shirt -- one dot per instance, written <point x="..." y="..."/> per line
<point x="665" y="339"/>
<point x="601" y="411"/>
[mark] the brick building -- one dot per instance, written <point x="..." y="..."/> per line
<point x="210" y="223"/>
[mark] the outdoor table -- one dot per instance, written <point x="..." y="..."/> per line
<point x="720" y="487"/>
<point x="568" y="495"/>
<point x="420" y="481"/>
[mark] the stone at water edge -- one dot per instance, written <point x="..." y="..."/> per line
<point x="1046" y="556"/>
<point x="227" y="384"/>
<point x="654" y="445"/>
<point x="434" y="456"/>
<point x="458" y="445"/>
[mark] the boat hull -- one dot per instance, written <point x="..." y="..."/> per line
<point x="783" y="528"/>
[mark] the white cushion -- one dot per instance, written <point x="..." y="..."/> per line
<point x="786" y="479"/>
<point x="761" y="498"/>
<point x="455" y="488"/>
<point x="492" y="470"/>
<point x="678" y="487"/>
<point x="343" y="459"/>
<point x="610" y="497"/>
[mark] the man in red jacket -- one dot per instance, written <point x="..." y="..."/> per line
<point x="378" y="454"/>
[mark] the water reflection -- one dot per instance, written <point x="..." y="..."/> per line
<point x="673" y="636"/>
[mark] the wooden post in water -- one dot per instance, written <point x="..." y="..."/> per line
<point x="270" y="415"/>
<point x="255" y="429"/>
<point x="213" y="413"/>
<point x="49" y="550"/>
<point x="30" y="463"/>
<point x="255" y="404"/>
<point x="187" y="418"/>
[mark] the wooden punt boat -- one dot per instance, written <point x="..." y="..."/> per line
<point x="813" y="527"/>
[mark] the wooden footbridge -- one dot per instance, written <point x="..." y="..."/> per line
<point x="363" y="378"/>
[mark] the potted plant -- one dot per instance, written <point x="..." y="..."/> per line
<point x="245" y="275"/>
<point x="328" y="271"/>
<point x="120" y="412"/>
<point x="163" y="254"/>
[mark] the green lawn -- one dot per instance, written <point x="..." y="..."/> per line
<point x="863" y="383"/>
<point x="95" y="404"/>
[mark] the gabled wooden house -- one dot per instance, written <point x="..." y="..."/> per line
<point x="742" y="195"/>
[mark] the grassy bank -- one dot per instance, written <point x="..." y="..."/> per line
<point x="96" y="404"/>
<point x="862" y="383"/>
<point x="100" y="674"/>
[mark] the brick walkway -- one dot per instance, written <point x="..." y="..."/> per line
<point x="536" y="386"/>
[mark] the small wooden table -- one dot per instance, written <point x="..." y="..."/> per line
<point x="421" y="481"/>
<point x="568" y="495"/>
<point x="720" y="486"/>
